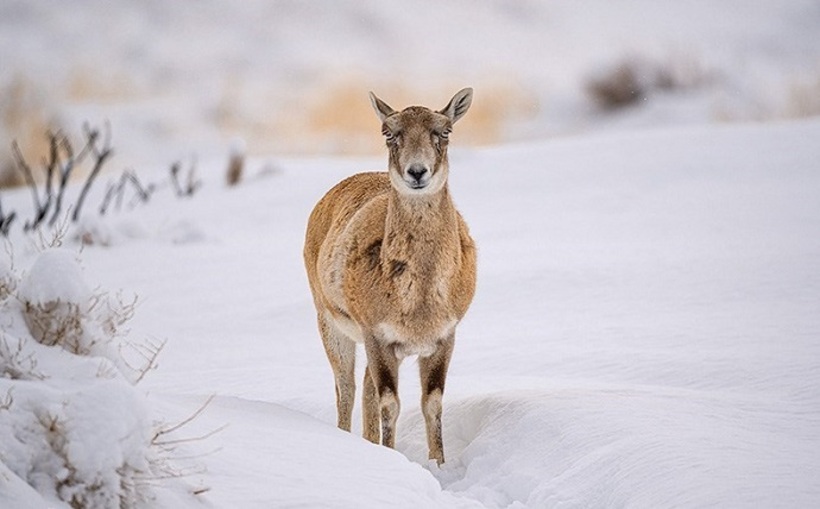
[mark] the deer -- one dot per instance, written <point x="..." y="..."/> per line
<point x="391" y="265"/>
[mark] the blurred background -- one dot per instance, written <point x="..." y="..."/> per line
<point x="291" y="77"/>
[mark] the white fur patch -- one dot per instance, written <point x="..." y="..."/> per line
<point x="346" y="326"/>
<point x="407" y="346"/>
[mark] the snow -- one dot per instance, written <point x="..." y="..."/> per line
<point x="55" y="276"/>
<point x="645" y="331"/>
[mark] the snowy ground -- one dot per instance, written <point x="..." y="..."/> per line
<point x="645" y="332"/>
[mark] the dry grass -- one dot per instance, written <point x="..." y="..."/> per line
<point x="341" y="111"/>
<point x="803" y="98"/>
<point x="89" y="85"/>
<point x="335" y="116"/>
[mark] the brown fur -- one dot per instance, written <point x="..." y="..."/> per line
<point x="391" y="264"/>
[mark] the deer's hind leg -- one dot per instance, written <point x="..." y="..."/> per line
<point x="341" y="352"/>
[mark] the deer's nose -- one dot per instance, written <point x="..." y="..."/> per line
<point x="417" y="171"/>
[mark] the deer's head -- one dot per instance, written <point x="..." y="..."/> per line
<point x="417" y="140"/>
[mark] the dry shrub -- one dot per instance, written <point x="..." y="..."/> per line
<point x="635" y="78"/>
<point x="57" y="323"/>
<point x="8" y="283"/>
<point x="25" y="117"/>
<point x="618" y="87"/>
<point x="16" y="363"/>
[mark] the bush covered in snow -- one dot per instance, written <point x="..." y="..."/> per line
<point x="73" y="428"/>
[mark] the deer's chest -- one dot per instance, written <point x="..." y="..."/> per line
<point x="405" y="285"/>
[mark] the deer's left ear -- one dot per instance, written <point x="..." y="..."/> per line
<point x="383" y="110"/>
<point x="458" y="105"/>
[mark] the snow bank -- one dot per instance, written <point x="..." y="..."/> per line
<point x="577" y="445"/>
<point x="73" y="429"/>
<point x="82" y="442"/>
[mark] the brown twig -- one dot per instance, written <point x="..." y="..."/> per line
<point x="184" y="422"/>
<point x="100" y="156"/>
<point x="39" y="210"/>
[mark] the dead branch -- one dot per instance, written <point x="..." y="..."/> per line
<point x="100" y="156"/>
<point x="116" y="192"/>
<point x="17" y="364"/>
<point x="143" y="193"/>
<point x="64" y="170"/>
<point x="39" y="208"/>
<point x="204" y="436"/>
<point x="191" y="185"/>
<point x="149" y="352"/>
<point x="6" y="221"/>
<point x="164" y="431"/>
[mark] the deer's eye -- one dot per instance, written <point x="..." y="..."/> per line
<point x="439" y="136"/>
<point x="390" y="136"/>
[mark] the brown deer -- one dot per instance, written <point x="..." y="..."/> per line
<point x="391" y="265"/>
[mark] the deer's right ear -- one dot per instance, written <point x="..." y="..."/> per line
<point x="381" y="107"/>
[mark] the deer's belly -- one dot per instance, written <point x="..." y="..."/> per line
<point x="415" y="340"/>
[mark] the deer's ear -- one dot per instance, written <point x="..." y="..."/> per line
<point x="381" y="107"/>
<point x="458" y="105"/>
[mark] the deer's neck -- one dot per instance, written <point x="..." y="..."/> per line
<point x="420" y="229"/>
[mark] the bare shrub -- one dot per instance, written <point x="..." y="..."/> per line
<point x="634" y="79"/>
<point x="187" y="185"/>
<point x="167" y="462"/>
<point x="56" y="323"/>
<point x="112" y="312"/>
<point x="8" y="282"/>
<point x="57" y="169"/>
<point x="620" y="86"/>
<point x="16" y="363"/>
<point x="86" y="490"/>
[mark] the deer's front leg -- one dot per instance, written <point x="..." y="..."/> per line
<point x="433" y="371"/>
<point x="383" y="367"/>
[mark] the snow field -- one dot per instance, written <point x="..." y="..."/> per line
<point x="644" y="332"/>
<point x="646" y="328"/>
